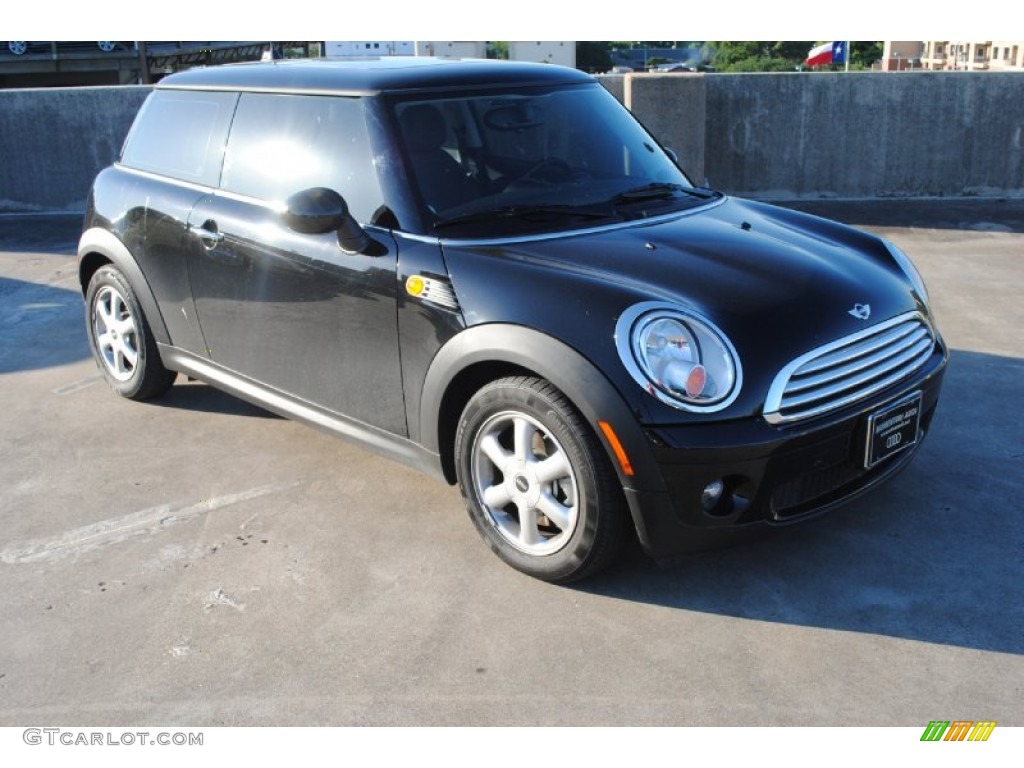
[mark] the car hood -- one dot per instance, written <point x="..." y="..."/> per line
<point x="777" y="282"/>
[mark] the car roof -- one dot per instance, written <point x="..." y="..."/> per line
<point x="370" y="76"/>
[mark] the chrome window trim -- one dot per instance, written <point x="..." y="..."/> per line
<point x="565" y="233"/>
<point x="271" y="205"/>
<point x="286" y="90"/>
<point x="200" y="188"/>
<point x="276" y="207"/>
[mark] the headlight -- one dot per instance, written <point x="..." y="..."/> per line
<point x="678" y="356"/>
<point x="909" y="270"/>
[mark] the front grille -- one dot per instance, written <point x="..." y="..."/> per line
<point x="789" y="497"/>
<point x="848" y="370"/>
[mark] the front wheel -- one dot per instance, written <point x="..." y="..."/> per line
<point x="536" y="481"/>
<point x="120" y="338"/>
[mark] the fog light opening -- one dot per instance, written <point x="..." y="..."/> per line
<point x="712" y="495"/>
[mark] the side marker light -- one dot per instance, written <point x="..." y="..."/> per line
<point x="620" y="452"/>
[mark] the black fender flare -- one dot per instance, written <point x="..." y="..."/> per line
<point x="579" y="379"/>
<point x="100" y="241"/>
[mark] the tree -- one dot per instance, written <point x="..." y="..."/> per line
<point x="497" y="49"/>
<point x="646" y="44"/>
<point x="864" y="54"/>
<point x="759" y="56"/>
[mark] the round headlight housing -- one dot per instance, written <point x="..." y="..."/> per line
<point x="678" y="356"/>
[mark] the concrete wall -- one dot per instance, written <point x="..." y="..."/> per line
<point x="790" y="136"/>
<point x="53" y="141"/>
<point x="561" y="52"/>
<point x="673" y="108"/>
<point x="769" y="136"/>
<point x="866" y="134"/>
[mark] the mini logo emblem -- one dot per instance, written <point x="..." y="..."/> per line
<point x="522" y="484"/>
<point x="861" y="311"/>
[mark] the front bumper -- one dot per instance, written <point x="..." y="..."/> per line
<point x="774" y="475"/>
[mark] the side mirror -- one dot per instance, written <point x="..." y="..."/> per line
<point x="315" y="211"/>
<point x="672" y="155"/>
<point x="319" y="210"/>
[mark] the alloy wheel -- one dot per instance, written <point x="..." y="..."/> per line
<point x="525" y="482"/>
<point x="116" y="333"/>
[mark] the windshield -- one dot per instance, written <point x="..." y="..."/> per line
<point x="535" y="159"/>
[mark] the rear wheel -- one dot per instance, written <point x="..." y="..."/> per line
<point x="120" y="338"/>
<point x="537" y="483"/>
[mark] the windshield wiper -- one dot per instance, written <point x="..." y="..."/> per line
<point x="658" y="190"/>
<point x="521" y="212"/>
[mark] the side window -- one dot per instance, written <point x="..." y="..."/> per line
<point x="281" y="144"/>
<point x="181" y="134"/>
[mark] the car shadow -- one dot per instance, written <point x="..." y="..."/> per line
<point x="933" y="556"/>
<point x="968" y="214"/>
<point x="197" y="396"/>
<point x="54" y="233"/>
<point x="40" y="326"/>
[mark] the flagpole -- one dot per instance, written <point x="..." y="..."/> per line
<point x="848" y="53"/>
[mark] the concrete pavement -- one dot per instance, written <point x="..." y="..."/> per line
<point x="197" y="561"/>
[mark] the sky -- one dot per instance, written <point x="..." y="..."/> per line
<point x="518" y="20"/>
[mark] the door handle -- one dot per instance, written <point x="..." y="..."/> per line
<point x="208" y="236"/>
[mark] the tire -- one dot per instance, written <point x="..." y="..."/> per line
<point x="537" y="483"/>
<point x="121" y="340"/>
<point x="17" y="47"/>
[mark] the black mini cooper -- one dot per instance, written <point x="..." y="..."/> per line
<point x="492" y="272"/>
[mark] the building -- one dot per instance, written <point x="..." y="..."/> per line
<point x="561" y="52"/>
<point x="49" y="64"/>
<point x="442" y="48"/>
<point x="974" y="56"/>
<point x="898" y="55"/>
<point x="549" y="51"/>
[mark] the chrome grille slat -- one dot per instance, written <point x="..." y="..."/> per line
<point x="850" y="399"/>
<point x="850" y="369"/>
<point x="857" y="381"/>
<point x="864" y="347"/>
<point x="801" y="380"/>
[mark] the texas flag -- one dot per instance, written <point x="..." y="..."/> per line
<point x="827" y="53"/>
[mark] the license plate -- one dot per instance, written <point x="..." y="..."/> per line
<point x="892" y="429"/>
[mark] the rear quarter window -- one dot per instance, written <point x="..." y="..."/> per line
<point x="181" y="134"/>
<point x="281" y="144"/>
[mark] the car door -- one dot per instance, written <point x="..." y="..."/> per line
<point x="171" y="161"/>
<point x="294" y="311"/>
